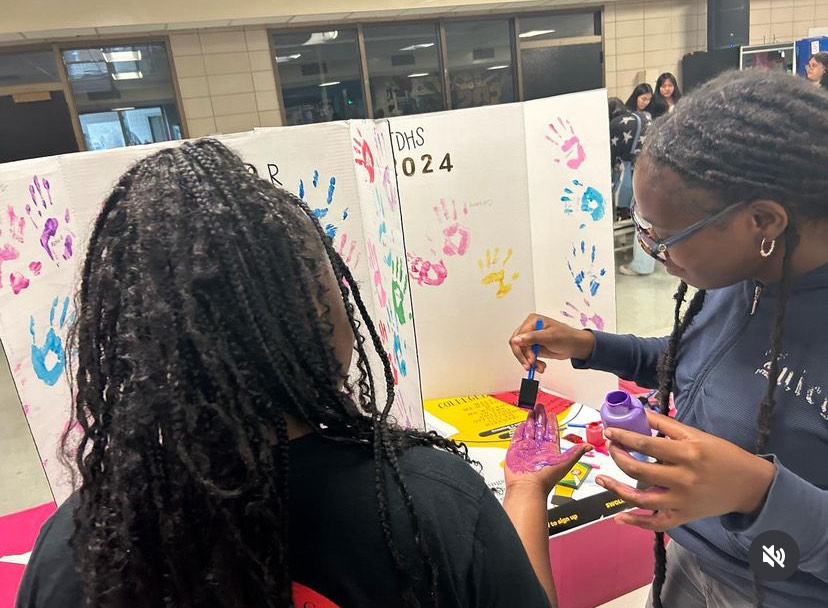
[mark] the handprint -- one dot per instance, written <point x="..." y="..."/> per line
<point x="497" y="277"/>
<point x="585" y="198"/>
<point x="348" y="252"/>
<point x="399" y="285"/>
<point x="8" y="253"/>
<point x="563" y="137"/>
<point x="389" y="183"/>
<point x="536" y="445"/>
<point x="587" y="275"/>
<point x="585" y="318"/>
<point x="456" y="237"/>
<point x="49" y="360"/>
<point x="322" y="210"/>
<point x="364" y="155"/>
<point x="16" y="224"/>
<point x="426" y="272"/>
<point x="41" y="212"/>
<point x="397" y="356"/>
<point x="373" y="263"/>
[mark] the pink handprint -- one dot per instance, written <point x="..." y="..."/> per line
<point x="52" y="235"/>
<point x="16" y="224"/>
<point x="563" y="137"/>
<point x="347" y="251"/>
<point x="18" y="281"/>
<point x="456" y="237"/>
<point x="536" y="445"/>
<point x="373" y="263"/>
<point x="585" y="318"/>
<point x="426" y="272"/>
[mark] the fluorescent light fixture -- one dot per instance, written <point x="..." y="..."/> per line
<point x="329" y="84"/>
<point x="114" y="56"/>
<point x="286" y="58"/>
<point x="321" y="37"/>
<point x="418" y="75"/>
<point x="533" y="33"/>
<point x="414" y="47"/>
<point x="498" y="67"/>
<point x="123" y="109"/>
<point x="127" y="75"/>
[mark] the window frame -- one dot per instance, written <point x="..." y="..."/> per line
<point x="439" y="20"/>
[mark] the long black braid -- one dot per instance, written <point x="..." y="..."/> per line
<point x="203" y="316"/>
<point x="745" y="136"/>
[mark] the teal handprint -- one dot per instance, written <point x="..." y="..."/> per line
<point x="322" y="208"/>
<point x="49" y="359"/>
<point x="586" y="198"/>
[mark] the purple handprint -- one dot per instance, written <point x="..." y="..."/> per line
<point x="41" y="213"/>
<point x="587" y="318"/>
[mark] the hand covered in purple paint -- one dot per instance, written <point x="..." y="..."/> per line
<point x="534" y="455"/>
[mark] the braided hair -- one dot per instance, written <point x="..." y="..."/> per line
<point x="202" y="320"/>
<point x="745" y="136"/>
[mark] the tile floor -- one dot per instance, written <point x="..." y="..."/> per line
<point x="644" y="308"/>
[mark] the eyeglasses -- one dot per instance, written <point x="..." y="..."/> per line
<point x="658" y="248"/>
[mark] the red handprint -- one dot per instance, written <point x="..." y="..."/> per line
<point x="426" y="272"/>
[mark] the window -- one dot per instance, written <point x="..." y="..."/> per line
<point x="480" y="62"/>
<point x="27" y="67"/>
<point x="320" y="75"/>
<point x="404" y="69"/>
<point x="124" y="94"/>
<point x="560" y="54"/>
<point x="426" y="66"/>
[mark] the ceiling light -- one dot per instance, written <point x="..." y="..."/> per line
<point x="115" y="56"/>
<point x="286" y="58"/>
<point x="329" y="84"/>
<point x="122" y="109"/>
<point x="498" y="67"/>
<point x="533" y="33"/>
<point x="414" y="47"/>
<point x="321" y="37"/>
<point x="418" y="75"/>
<point x="127" y="75"/>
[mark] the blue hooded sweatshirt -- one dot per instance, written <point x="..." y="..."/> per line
<point x="721" y="378"/>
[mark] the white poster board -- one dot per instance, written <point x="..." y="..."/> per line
<point x="507" y="210"/>
<point x="490" y="214"/>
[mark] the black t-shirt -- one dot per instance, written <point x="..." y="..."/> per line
<point x="336" y="543"/>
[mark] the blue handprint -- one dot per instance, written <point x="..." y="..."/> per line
<point x="586" y="275"/>
<point x="49" y="360"/>
<point x="587" y="198"/>
<point x="322" y="210"/>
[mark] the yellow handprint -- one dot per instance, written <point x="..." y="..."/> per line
<point x="497" y="277"/>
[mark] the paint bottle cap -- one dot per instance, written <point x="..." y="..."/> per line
<point x="595" y="434"/>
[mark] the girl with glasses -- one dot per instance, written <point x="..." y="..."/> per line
<point x="732" y="198"/>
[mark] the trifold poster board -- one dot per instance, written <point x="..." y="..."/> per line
<point x="456" y="226"/>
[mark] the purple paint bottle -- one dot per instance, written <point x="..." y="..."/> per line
<point x="623" y="412"/>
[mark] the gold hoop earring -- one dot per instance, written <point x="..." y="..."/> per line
<point x="767" y="253"/>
